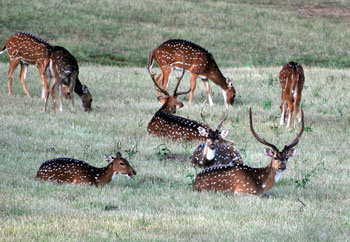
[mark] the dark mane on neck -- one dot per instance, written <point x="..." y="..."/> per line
<point x="36" y="38"/>
<point x="170" y="118"/>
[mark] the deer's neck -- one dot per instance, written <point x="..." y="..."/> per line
<point x="104" y="175"/>
<point x="217" y="77"/>
<point x="267" y="177"/>
<point x="78" y="89"/>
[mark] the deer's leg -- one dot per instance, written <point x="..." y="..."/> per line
<point x="44" y="78"/>
<point x="60" y="89"/>
<point x="22" y="77"/>
<point x="290" y="112"/>
<point x="166" y="73"/>
<point x="13" y="65"/>
<point x="53" y="94"/>
<point x="193" y="86"/>
<point x="72" y="82"/>
<point x="45" y="84"/>
<point x="207" y="89"/>
<point x="297" y="114"/>
<point x="283" y="108"/>
<point x="159" y="80"/>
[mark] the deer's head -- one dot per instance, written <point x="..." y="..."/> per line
<point x="120" y="165"/>
<point x="170" y="102"/>
<point x="213" y="136"/>
<point x="278" y="158"/>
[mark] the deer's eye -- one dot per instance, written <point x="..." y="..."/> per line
<point x="122" y="164"/>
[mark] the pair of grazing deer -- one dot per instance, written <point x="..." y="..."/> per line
<point x="226" y="171"/>
<point x="52" y="61"/>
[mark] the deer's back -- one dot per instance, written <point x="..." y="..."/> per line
<point x="27" y="47"/>
<point x="175" y="127"/>
<point x="67" y="170"/>
<point x="64" y="61"/>
<point x="289" y="71"/>
<point x="198" y="60"/>
<point x="236" y="178"/>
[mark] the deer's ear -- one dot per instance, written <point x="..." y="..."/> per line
<point x="291" y="152"/>
<point x="224" y="133"/>
<point x="108" y="158"/>
<point x="202" y="131"/>
<point x="268" y="152"/>
<point x="119" y="155"/>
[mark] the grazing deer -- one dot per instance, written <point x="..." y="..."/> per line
<point x="28" y="49"/>
<point x="165" y="124"/>
<point x="248" y="180"/>
<point x="65" y="70"/>
<point x="198" y="61"/>
<point x="68" y="170"/>
<point x="213" y="152"/>
<point x="292" y="81"/>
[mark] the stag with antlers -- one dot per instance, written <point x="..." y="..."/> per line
<point x="165" y="124"/>
<point x="198" y="61"/>
<point x="248" y="180"/>
<point x="212" y="152"/>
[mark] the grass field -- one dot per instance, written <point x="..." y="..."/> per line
<point x="159" y="204"/>
<point x="239" y="33"/>
<point x="250" y="41"/>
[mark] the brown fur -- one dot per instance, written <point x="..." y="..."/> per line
<point x="198" y="61"/>
<point x="27" y="49"/>
<point x="67" y="170"/>
<point x="292" y="81"/>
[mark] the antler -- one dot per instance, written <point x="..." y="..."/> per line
<point x="223" y="120"/>
<point x="179" y="78"/>
<point x="261" y="140"/>
<point x="152" y="74"/>
<point x="296" y="140"/>
<point x="202" y="116"/>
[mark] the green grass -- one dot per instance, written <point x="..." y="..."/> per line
<point x="158" y="204"/>
<point x="238" y="33"/>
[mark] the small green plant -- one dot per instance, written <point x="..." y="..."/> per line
<point x="191" y="176"/>
<point x="306" y="177"/>
<point x="272" y="80"/>
<point x="162" y="152"/>
<point x="133" y="151"/>
<point x="308" y="129"/>
<point x="267" y="104"/>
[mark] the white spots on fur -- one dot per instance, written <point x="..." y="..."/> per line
<point x="75" y="171"/>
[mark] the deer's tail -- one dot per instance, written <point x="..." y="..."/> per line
<point x="3" y="49"/>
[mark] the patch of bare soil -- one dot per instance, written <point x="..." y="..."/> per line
<point x="178" y="157"/>
<point x="325" y="11"/>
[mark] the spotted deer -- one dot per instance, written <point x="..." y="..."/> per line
<point x="292" y="81"/>
<point x="247" y="180"/>
<point x="213" y="152"/>
<point x="165" y="124"/>
<point x="68" y="170"/>
<point x="65" y="70"/>
<point x="27" y="49"/>
<point x="198" y="61"/>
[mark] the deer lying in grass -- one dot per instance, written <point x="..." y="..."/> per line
<point x="292" y="82"/>
<point x="198" y="61"/>
<point x="165" y="124"/>
<point x="248" y="180"/>
<point x="65" y="70"/>
<point x="68" y="170"/>
<point x="213" y="152"/>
